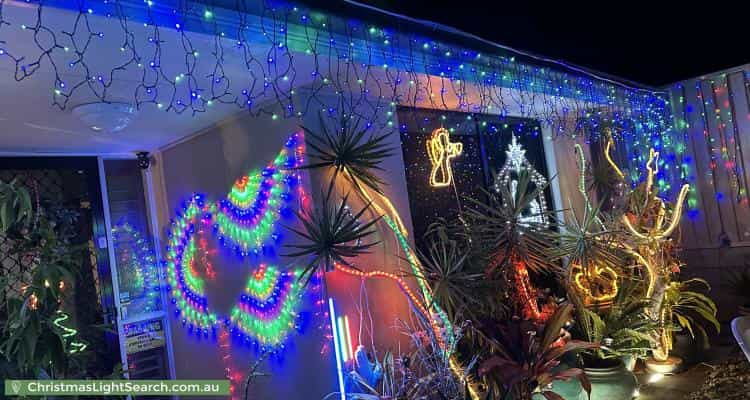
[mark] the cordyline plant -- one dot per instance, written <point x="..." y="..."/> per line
<point x="526" y="359"/>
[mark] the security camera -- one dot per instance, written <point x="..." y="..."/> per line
<point x="143" y="160"/>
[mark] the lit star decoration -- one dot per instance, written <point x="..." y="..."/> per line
<point x="267" y="313"/>
<point x="441" y="151"/>
<point x="515" y="163"/>
<point x="137" y="255"/>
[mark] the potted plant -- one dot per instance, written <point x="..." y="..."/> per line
<point x="625" y="332"/>
<point x="683" y="310"/>
<point x="738" y="285"/>
<point x="624" y="327"/>
<point x="526" y="358"/>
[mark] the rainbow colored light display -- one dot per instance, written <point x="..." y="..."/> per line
<point x="135" y="254"/>
<point x="267" y="312"/>
<point x="246" y="222"/>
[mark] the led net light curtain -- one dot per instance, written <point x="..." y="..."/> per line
<point x="189" y="56"/>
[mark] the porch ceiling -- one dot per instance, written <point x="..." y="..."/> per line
<point x="30" y="123"/>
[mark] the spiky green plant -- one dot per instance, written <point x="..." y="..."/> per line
<point x="587" y="240"/>
<point x="348" y="151"/>
<point x="498" y="234"/>
<point x="456" y="285"/>
<point x="624" y="327"/>
<point x="331" y="234"/>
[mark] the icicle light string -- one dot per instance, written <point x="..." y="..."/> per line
<point x="188" y="56"/>
<point x="371" y="66"/>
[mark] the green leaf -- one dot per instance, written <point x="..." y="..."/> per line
<point x="5" y="216"/>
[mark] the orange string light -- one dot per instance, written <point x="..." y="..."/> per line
<point x="383" y="274"/>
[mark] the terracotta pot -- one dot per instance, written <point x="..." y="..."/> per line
<point x="612" y="383"/>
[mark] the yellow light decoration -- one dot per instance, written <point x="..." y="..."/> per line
<point x="599" y="273"/>
<point x="653" y="159"/>
<point x="611" y="162"/>
<point x="441" y="152"/>
<point x="657" y="232"/>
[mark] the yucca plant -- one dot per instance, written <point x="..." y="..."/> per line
<point x="587" y="241"/>
<point x="457" y="285"/>
<point x="349" y="151"/>
<point x="498" y="234"/>
<point x="332" y="234"/>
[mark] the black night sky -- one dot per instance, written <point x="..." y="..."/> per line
<point x="638" y="41"/>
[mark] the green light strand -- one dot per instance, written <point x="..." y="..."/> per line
<point x="68" y="333"/>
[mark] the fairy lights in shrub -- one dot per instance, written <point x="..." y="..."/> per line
<point x="267" y="312"/>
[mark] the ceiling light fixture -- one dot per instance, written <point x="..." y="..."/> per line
<point x="105" y="117"/>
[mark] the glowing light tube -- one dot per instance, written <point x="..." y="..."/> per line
<point x="342" y="340"/>
<point x="337" y="348"/>
<point x="349" y="337"/>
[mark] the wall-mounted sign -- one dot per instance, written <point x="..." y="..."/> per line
<point x="143" y="336"/>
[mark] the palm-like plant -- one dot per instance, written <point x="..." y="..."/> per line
<point x="332" y="234"/>
<point x="456" y="285"/>
<point x="350" y="152"/>
<point x="586" y="241"/>
<point x="499" y="234"/>
<point x="526" y="359"/>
